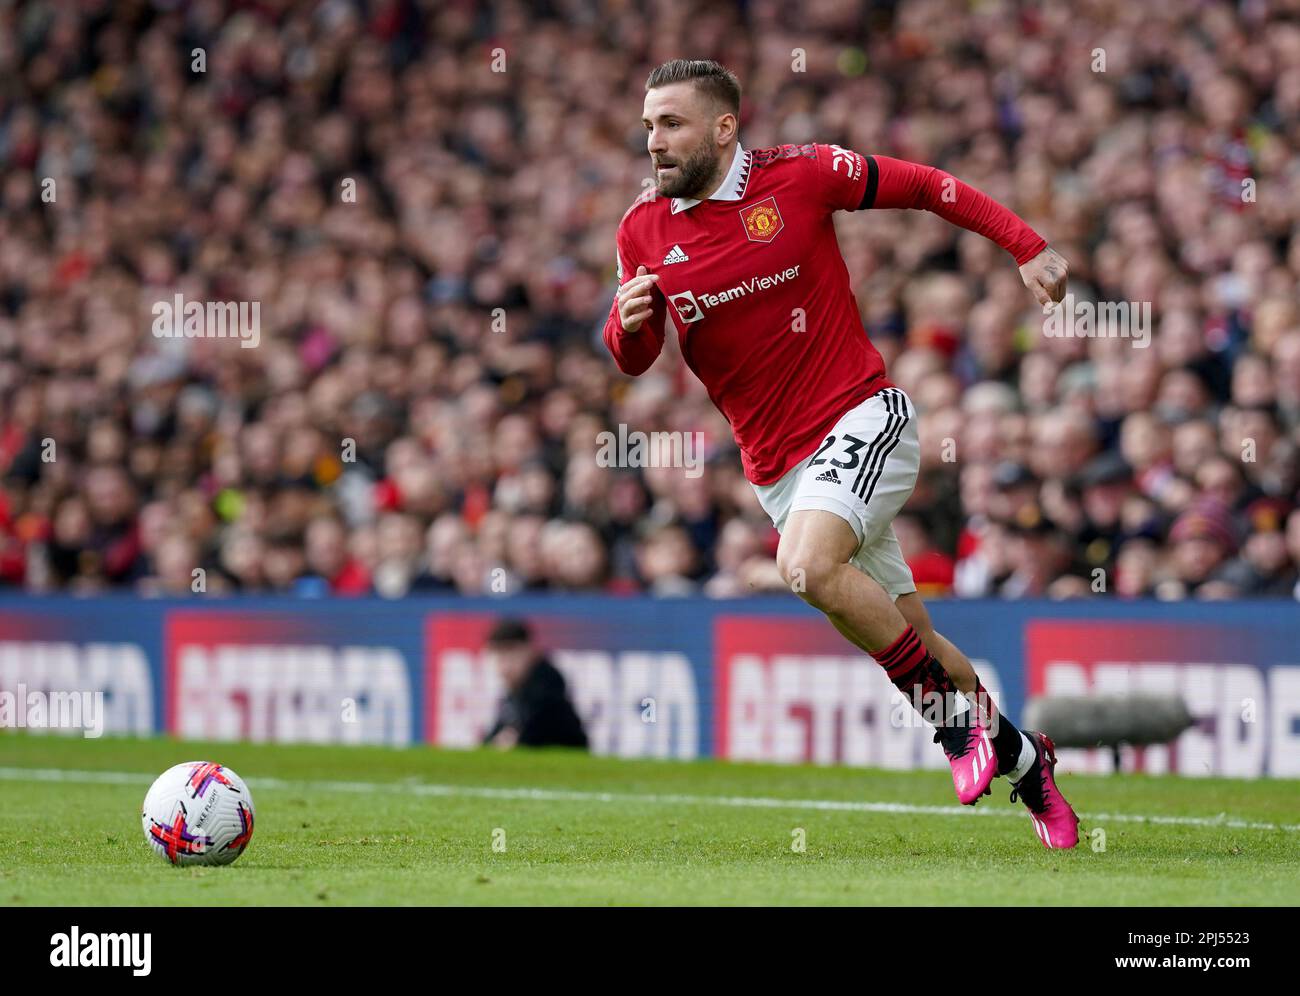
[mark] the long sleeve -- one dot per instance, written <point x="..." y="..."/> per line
<point x="634" y="352"/>
<point x="901" y="184"/>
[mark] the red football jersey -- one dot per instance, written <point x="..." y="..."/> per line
<point x="759" y="293"/>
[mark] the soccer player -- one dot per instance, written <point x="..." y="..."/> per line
<point x="738" y="247"/>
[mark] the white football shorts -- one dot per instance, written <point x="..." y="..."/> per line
<point x="864" y="471"/>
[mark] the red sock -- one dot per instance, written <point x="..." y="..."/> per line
<point x="911" y="666"/>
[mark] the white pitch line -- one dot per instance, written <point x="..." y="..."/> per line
<point x="569" y="795"/>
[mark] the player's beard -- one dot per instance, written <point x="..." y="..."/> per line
<point x="694" y="176"/>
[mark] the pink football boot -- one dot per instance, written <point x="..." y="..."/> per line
<point x="970" y="752"/>
<point x="1054" y="820"/>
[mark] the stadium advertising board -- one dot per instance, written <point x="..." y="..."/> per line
<point x="749" y="679"/>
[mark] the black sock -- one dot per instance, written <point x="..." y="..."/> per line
<point x="1006" y="742"/>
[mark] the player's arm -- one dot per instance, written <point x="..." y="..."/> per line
<point x="901" y="184"/>
<point x="634" y="330"/>
<point x="851" y="181"/>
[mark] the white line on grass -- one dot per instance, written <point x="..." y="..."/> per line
<point x="568" y="795"/>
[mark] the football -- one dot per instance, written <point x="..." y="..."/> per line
<point x="198" y="813"/>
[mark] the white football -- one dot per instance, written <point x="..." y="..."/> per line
<point x="198" y="813"/>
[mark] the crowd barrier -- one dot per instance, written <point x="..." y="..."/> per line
<point x="763" y="679"/>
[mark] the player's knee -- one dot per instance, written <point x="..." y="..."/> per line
<point x="808" y="571"/>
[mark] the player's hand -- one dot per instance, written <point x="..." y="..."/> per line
<point x="634" y="299"/>
<point x="1045" y="277"/>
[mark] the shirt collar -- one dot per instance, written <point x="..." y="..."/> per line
<point x="733" y="184"/>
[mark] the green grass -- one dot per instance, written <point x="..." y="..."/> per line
<point x="79" y="842"/>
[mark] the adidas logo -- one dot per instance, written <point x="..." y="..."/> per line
<point x="675" y="255"/>
<point x="828" y="475"/>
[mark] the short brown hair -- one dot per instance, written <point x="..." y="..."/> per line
<point x="714" y="80"/>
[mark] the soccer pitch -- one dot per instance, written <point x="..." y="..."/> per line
<point x="374" y="826"/>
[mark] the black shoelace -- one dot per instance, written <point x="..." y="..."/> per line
<point x="957" y="741"/>
<point x="1030" y="788"/>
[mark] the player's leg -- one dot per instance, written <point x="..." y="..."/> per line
<point x="875" y="628"/>
<point x="913" y="613"/>
<point x="842" y="502"/>
<point x="873" y="625"/>
<point x="839" y="552"/>
<point x="816" y="557"/>
<point x="866" y="609"/>
<point x="1026" y="758"/>
<point x="1015" y="753"/>
<point x="956" y="663"/>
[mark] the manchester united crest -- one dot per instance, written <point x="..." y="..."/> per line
<point x="762" y="220"/>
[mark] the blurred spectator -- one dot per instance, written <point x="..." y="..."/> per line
<point x="536" y="711"/>
<point x="423" y="407"/>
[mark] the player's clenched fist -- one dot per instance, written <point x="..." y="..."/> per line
<point x="634" y="299"/>
<point x="1045" y="276"/>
